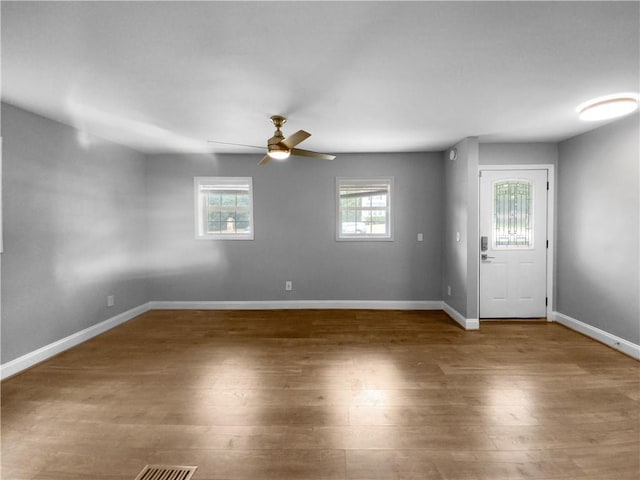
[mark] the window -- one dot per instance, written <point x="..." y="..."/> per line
<point x="364" y="209"/>
<point x="513" y="214"/>
<point x="224" y="208"/>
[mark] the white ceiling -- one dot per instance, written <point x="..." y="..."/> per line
<point x="360" y="76"/>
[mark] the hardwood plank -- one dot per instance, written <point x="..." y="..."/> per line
<point x="333" y="394"/>
<point x="385" y="464"/>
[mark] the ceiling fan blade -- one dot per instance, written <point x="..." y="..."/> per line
<point x="266" y="159"/>
<point x="237" y="144"/>
<point x="307" y="153"/>
<point x="293" y="140"/>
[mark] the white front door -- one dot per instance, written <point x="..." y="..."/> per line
<point x="513" y="243"/>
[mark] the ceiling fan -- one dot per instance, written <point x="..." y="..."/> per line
<point x="279" y="148"/>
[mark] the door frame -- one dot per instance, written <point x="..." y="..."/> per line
<point x="551" y="197"/>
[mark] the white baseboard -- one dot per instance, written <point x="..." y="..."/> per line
<point x="298" y="304"/>
<point x="601" y="336"/>
<point x="30" y="359"/>
<point x="466" y="323"/>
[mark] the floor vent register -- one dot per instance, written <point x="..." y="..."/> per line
<point x="166" y="472"/>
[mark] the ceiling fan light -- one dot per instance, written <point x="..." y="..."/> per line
<point x="275" y="149"/>
<point x="607" y="107"/>
<point x="279" y="154"/>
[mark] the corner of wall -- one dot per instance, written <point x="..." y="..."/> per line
<point x="466" y="323"/>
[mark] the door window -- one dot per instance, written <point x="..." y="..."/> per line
<point x="513" y="214"/>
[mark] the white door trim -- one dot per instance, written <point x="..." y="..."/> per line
<point x="550" y="168"/>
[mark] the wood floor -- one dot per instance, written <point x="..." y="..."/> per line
<point x="322" y="394"/>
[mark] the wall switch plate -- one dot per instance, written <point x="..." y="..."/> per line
<point x="111" y="301"/>
<point x="420" y="237"/>
<point x="288" y="285"/>
<point x="449" y="290"/>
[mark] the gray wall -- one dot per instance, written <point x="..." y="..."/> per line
<point x="598" y="200"/>
<point x="460" y="265"/>
<point x="74" y="231"/>
<point x="518" y="153"/>
<point x="294" y="213"/>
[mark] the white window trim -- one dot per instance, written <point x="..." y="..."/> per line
<point x="197" y="181"/>
<point x="369" y="237"/>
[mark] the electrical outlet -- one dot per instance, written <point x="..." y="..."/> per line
<point x="457" y="236"/>
<point x="449" y="290"/>
<point x="111" y="301"/>
<point x="288" y="285"/>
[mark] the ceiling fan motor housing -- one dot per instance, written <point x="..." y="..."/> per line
<point x="273" y="144"/>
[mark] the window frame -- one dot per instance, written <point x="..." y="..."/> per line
<point x="359" y="237"/>
<point x="198" y="207"/>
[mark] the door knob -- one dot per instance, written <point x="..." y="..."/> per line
<point x="485" y="256"/>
